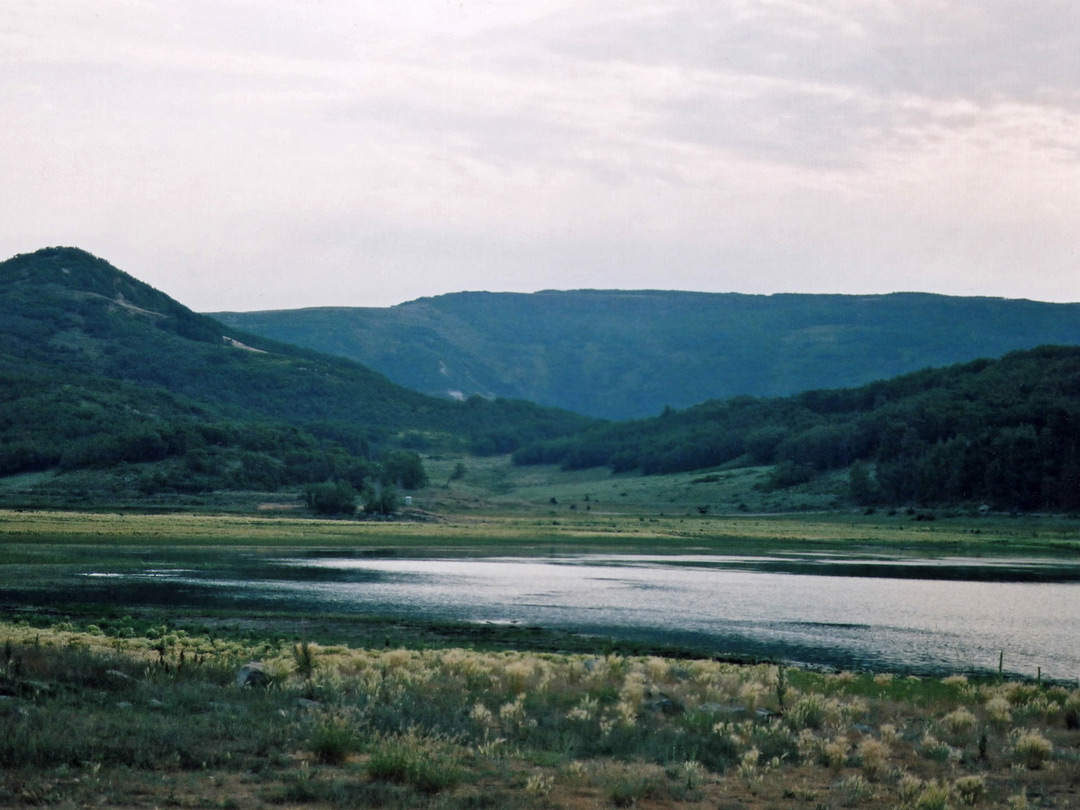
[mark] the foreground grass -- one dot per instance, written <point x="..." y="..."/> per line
<point x="158" y="719"/>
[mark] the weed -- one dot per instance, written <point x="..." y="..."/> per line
<point x="1071" y="711"/>
<point x="304" y="656"/>
<point x="332" y="739"/>
<point x="969" y="790"/>
<point x="1032" y="749"/>
<point x="933" y="797"/>
<point x="873" y="756"/>
<point x="425" y="764"/>
<point x="808" y="712"/>
<point x="625" y="788"/>
<point x="853" y="790"/>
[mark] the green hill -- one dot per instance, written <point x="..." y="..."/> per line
<point x="99" y="370"/>
<point x="1004" y="432"/>
<point x="622" y="355"/>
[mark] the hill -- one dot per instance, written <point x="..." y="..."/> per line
<point x="623" y="355"/>
<point x="1003" y="432"/>
<point x="99" y="370"/>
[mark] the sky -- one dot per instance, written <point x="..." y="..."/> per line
<point x="273" y="154"/>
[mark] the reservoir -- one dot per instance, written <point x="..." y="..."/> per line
<point x="882" y="613"/>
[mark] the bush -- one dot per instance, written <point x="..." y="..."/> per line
<point x="788" y="474"/>
<point x="1033" y="749"/>
<point x="403" y="469"/>
<point x="331" y="498"/>
<point x="332" y="739"/>
<point x="412" y="760"/>
<point x="380" y="500"/>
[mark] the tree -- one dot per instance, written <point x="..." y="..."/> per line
<point x="380" y="499"/>
<point x="331" y="498"/>
<point x="863" y="489"/>
<point x="404" y="469"/>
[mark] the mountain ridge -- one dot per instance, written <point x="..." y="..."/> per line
<point x="629" y="353"/>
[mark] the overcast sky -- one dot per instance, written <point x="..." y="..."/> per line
<point x="270" y="154"/>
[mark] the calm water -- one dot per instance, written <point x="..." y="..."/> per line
<point x="875" y="612"/>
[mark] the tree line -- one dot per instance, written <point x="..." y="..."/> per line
<point x="1005" y="432"/>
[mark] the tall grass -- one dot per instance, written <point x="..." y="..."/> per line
<point x="368" y="725"/>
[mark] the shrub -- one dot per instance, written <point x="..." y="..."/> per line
<point x="958" y="723"/>
<point x="969" y="789"/>
<point x="999" y="712"/>
<point x="1071" y="711"/>
<point x="411" y="760"/>
<point x="808" y="712"/>
<point x="874" y="756"/>
<point x="933" y="797"/>
<point x="331" y="740"/>
<point x="304" y="655"/>
<point x="854" y="790"/>
<point x="1033" y="749"/>
<point x="331" y="498"/>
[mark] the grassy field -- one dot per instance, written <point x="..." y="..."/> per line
<point x="111" y="718"/>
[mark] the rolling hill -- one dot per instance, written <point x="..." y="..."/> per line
<point x="623" y="355"/>
<point x="1003" y="432"/>
<point x="99" y="370"/>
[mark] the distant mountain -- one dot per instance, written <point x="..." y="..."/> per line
<point x="1003" y="432"/>
<point x="98" y="369"/>
<point x="620" y="355"/>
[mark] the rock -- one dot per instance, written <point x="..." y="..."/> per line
<point x="124" y="704"/>
<point x="154" y="703"/>
<point x="120" y="676"/>
<point x="763" y="714"/>
<point x="307" y="705"/>
<point x="862" y="728"/>
<point x="252" y="674"/>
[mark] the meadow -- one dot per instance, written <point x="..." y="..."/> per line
<point x="105" y="716"/>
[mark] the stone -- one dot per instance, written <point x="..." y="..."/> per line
<point x="252" y="674"/>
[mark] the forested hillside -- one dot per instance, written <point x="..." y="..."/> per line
<point x="1005" y="432"/>
<point x="622" y="355"/>
<point x="98" y="370"/>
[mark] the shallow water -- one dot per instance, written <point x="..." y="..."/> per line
<point x="876" y="612"/>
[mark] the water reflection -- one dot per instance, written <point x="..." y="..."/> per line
<point x="875" y="611"/>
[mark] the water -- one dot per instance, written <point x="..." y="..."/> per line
<point x="881" y="613"/>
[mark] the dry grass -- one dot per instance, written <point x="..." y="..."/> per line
<point x="95" y="720"/>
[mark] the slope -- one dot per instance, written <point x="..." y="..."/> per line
<point x="100" y="369"/>
<point x="1004" y="432"/>
<point x="619" y="355"/>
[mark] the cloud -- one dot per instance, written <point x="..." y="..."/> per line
<point x="263" y="153"/>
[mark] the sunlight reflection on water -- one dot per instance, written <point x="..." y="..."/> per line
<point x="952" y="620"/>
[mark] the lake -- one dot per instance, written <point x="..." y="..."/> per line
<point x="878" y="612"/>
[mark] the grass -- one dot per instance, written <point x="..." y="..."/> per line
<point x="27" y="533"/>
<point x="95" y="719"/>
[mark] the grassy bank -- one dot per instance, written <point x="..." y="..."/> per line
<point x="542" y="531"/>
<point x="158" y="719"/>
